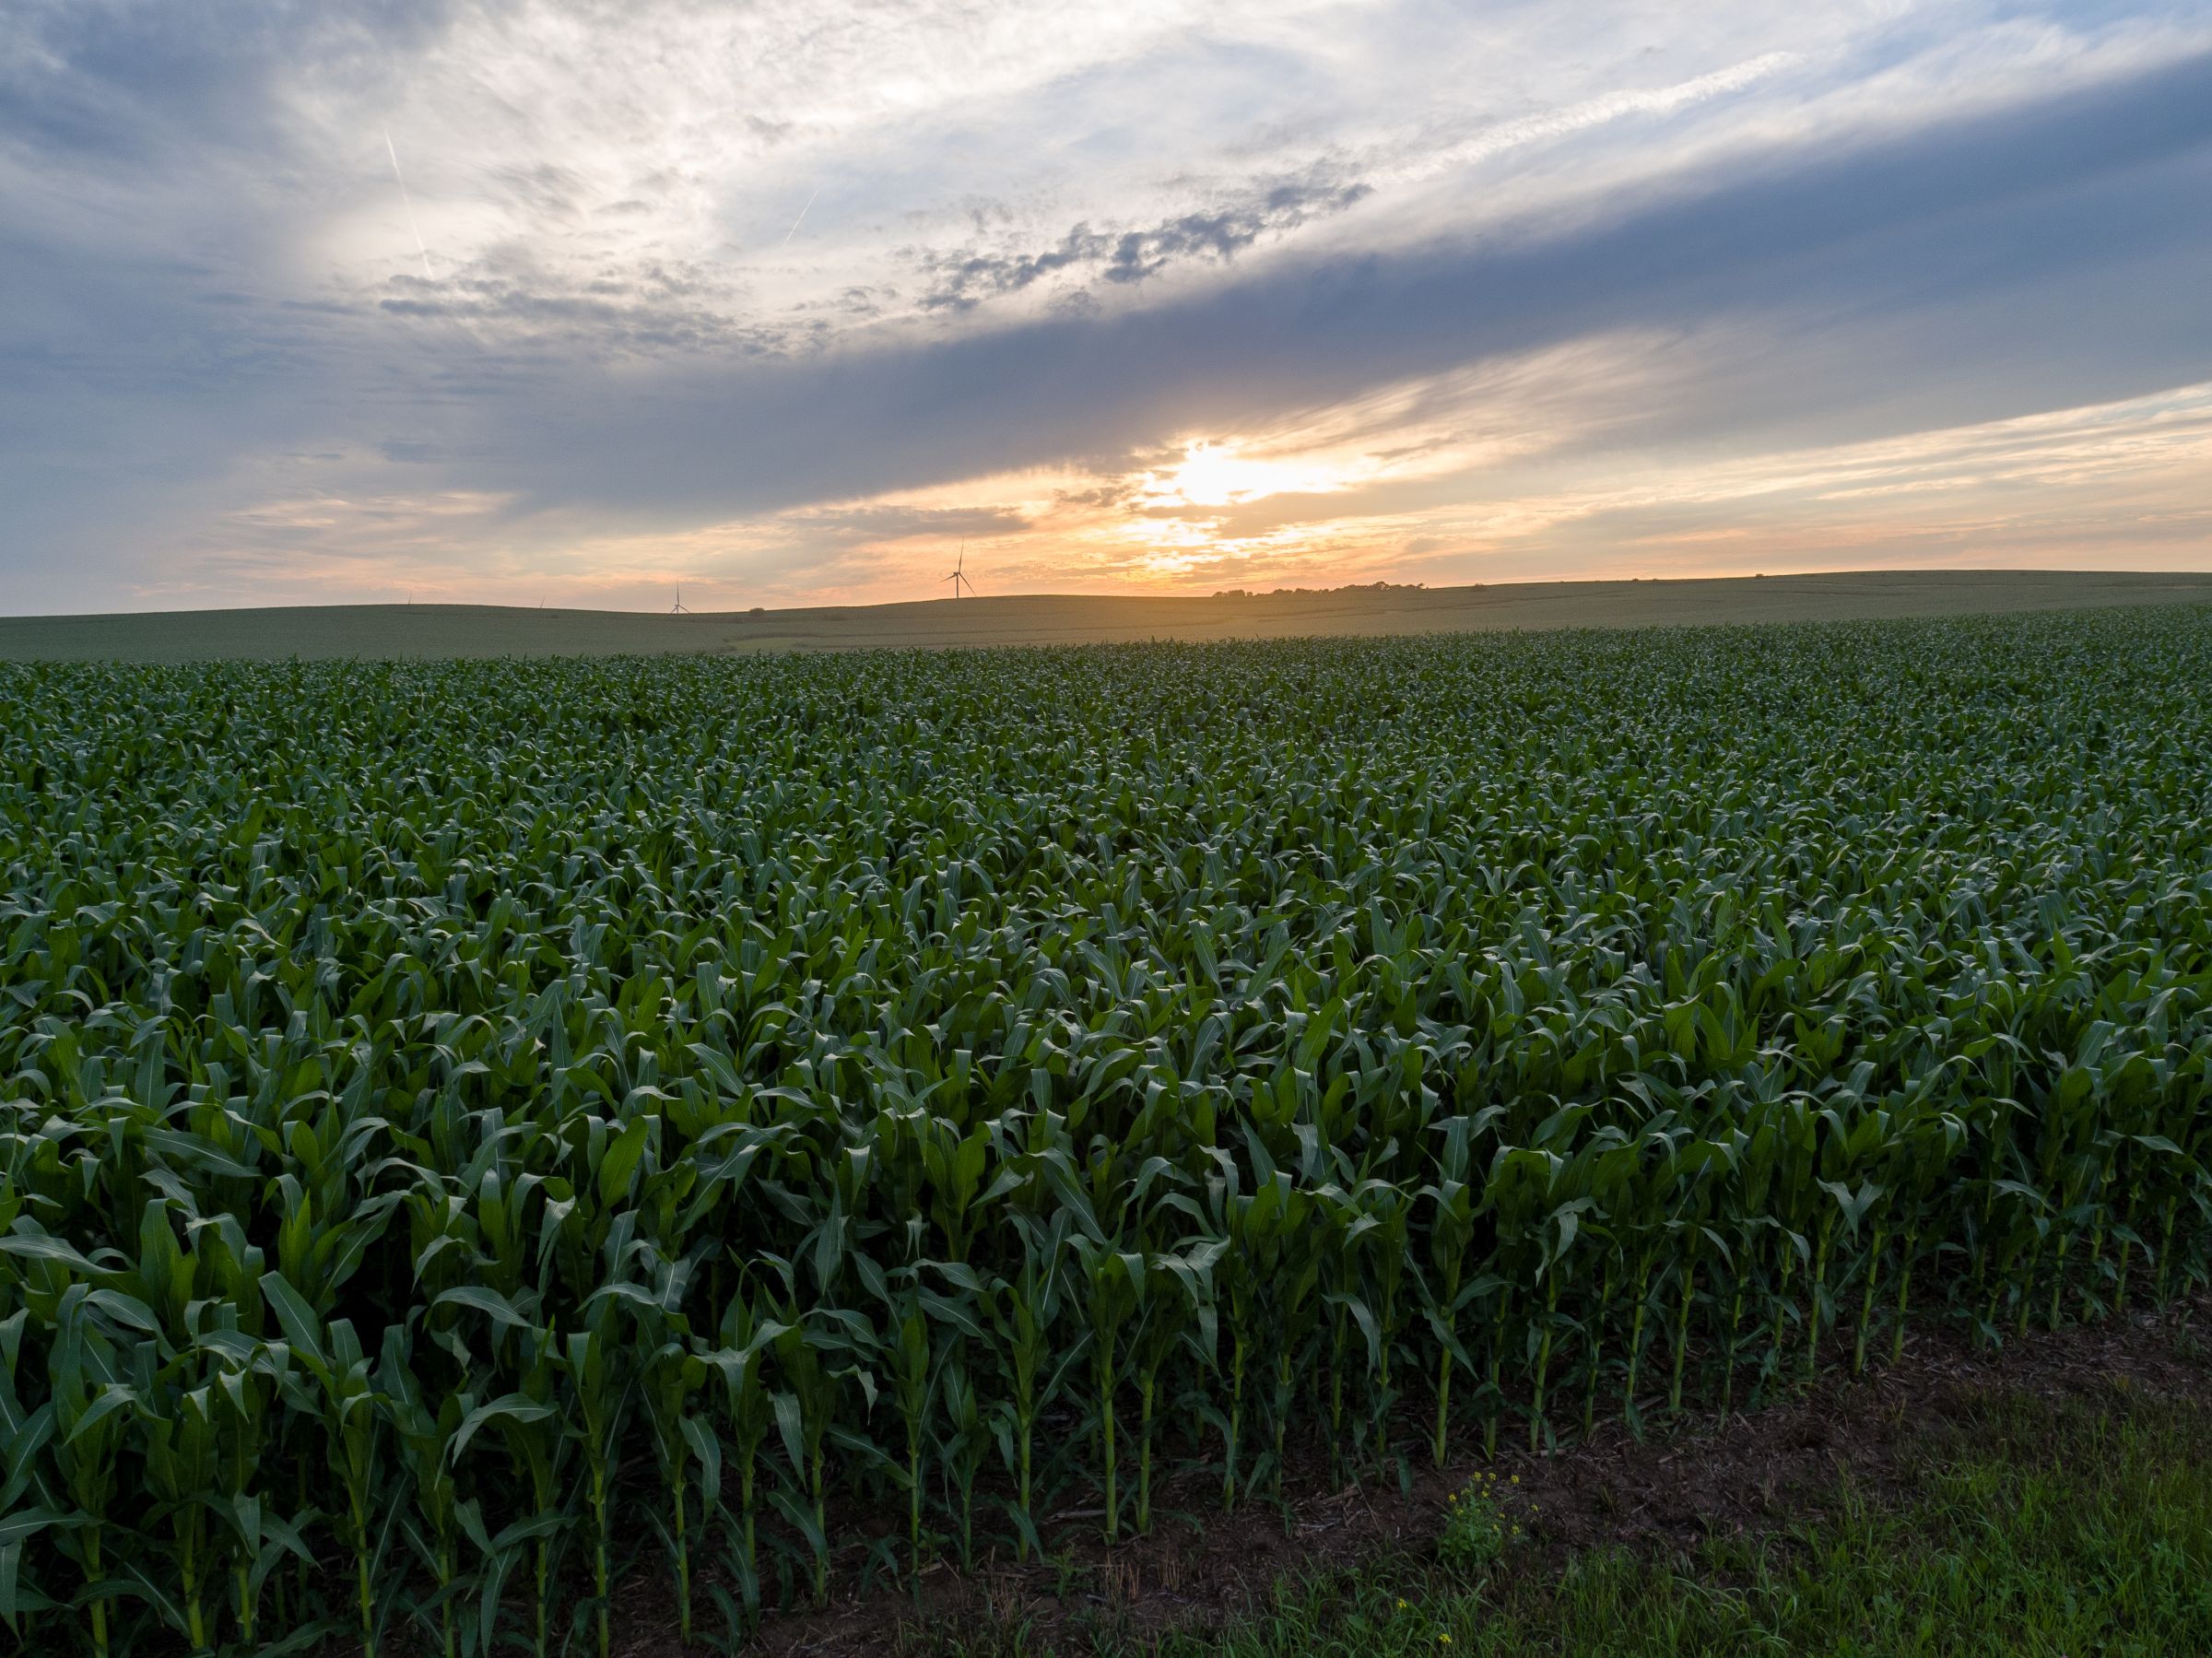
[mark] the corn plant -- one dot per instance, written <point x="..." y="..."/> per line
<point x="432" y="1522"/>
<point x="747" y="1413"/>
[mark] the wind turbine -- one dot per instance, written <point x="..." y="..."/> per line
<point x="679" y="608"/>
<point x="959" y="573"/>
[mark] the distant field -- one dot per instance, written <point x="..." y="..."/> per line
<point x="318" y="632"/>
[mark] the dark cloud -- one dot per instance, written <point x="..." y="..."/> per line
<point x="964" y="280"/>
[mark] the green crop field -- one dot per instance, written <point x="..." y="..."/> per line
<point x="481" y="1137"/>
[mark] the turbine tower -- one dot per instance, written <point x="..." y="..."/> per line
<point x="959" y="573"/>
<point x="679" y="608"/>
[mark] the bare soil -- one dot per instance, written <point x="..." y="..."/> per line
<point x="1699" y="1477"/>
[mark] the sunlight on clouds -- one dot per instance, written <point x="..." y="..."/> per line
<point x="1215" y="474"/>
<point x="1499" y="473"/>
<point x="2071" y="486"/>
<point x="2042" y="488"/>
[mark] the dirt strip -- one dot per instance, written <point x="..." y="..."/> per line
<point x="1704" y="1477"/>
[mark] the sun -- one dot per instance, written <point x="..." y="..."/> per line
<point x="1215" y="474"/>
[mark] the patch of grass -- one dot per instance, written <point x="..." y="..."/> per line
<point x="2026" y="1531"/>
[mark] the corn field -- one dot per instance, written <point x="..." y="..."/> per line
<point x="481" y="1139"/>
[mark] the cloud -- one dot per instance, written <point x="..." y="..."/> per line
<point x="877" y="524"/>
<point x="961" y="280"/>
<point x="653" y="313"/>
<point x="2037" y="257"/>
<point x="1505" y="254"/>
<point x="1502" y="137"/>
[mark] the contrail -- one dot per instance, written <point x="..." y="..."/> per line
<point x="409" y="202"/>
<point x="795" y="223"/>
<point x="1575" y="118"/>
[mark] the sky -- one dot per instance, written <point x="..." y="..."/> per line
<point x="798" y="301"/>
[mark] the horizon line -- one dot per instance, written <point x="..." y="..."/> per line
<point x="1126" y="595"/>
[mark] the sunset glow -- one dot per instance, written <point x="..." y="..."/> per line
<point x="1215" y="474"/>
